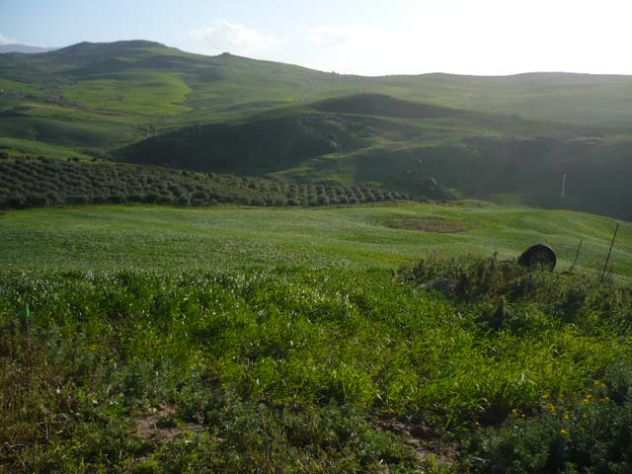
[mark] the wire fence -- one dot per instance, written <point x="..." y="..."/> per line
<point x="587" y="253"/>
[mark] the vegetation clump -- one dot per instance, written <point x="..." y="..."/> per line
<point x="585" y="432"/>
<point x="309" y="370"/>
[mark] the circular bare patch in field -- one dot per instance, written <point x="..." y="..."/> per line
<point x="439" y="225"/>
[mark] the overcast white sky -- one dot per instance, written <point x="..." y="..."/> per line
<point x="363" y="37"/>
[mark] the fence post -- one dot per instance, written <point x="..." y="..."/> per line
<point x="577" y="253"/>
<point x="614" y="238"/>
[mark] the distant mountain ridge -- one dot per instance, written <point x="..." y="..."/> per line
<point x="22" y="48"/>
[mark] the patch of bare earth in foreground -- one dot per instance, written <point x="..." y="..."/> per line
<point x="160" y="426"/>
<point x="428" y="445"/>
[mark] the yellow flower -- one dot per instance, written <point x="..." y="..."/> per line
<point x="564" y="432"/>
<point x="599" y="384"/>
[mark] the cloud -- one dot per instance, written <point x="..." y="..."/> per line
<point x="344" y="48"/>
<point x="6" y="40"/>
<point x="224" y="36"/>
<point x="360" y="49"/>
<point x="465" y="37"/>
<point x="333" y="36"/>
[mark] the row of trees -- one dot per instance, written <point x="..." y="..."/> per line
<point x="40" y="182"/>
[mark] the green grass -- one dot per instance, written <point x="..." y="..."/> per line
<point x="145" y="93"/>
<point x="18" y="147"/>
<point x="231" y="339"/>
<point x="160" y="238"/>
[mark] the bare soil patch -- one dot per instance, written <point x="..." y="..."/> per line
<point x="439" y="225"/>
<point x="427" y="444"/>
<point x="161" y="426"/>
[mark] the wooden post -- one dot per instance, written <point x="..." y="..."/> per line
<point x="614" y="238"/>
<point x="579" y="249"/>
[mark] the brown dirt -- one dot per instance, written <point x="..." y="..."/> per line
<point x="427" y="444"/>
<point x="439" y="225"/>
<point x="160" y="426"/>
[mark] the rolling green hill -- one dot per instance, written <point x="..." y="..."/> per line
<point x="410" y="147"/>
<point x="421" y="135"/>
<point x="101" y="96"/>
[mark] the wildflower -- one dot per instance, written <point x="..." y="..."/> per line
<point x="599" y="384"/>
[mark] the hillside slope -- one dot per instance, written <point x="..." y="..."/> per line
<point x="96" y="97"/>
<point x="414" y="148"/>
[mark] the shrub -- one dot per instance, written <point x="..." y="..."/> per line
<point x="593" y="435"/>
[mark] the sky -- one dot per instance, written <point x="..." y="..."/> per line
<point x="368" y="37"/>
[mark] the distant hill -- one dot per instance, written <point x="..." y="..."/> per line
<point x="99" y="96"/>
<point x="147" y="103"/>
<point x="21" y="48"/>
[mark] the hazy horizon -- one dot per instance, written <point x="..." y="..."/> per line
<point x="380" y="38"/>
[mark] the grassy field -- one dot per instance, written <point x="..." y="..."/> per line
<point x="150" y="339"/>
<point x="232" y="238"/>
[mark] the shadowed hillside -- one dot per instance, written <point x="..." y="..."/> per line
<point x="414" y="148"/>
